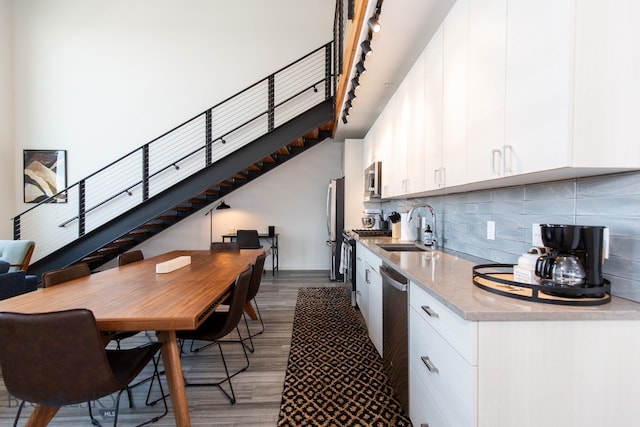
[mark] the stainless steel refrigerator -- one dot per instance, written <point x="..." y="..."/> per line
<point x="335" y="225"/>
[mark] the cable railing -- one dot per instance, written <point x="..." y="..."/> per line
<point x="179" y="153"/>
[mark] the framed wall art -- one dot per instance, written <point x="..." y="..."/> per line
<point x="45" y="175"/>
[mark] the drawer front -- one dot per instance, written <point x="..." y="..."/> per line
<point x="450" y="379"/>
<point x="461" y="334"/>
<point x="373" y="260"/>
<point x="423" y="406"/>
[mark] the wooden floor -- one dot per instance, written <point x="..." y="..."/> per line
<point x="258" y="390"/>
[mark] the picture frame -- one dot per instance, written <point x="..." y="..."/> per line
<point x="45" y="176"/>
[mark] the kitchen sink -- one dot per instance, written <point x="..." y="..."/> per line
<point x="401" y="247"/>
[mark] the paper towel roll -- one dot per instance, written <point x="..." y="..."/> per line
<point x="408" y="228"/>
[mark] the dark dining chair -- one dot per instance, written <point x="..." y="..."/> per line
<point x="225" y="246"/>
<point x="129" y="257"/>
<point x="248" y="239"/>
<point x="61" y="360"/>
<point x="254" y="286"/>
<point x="218" y="325"/>
<point x="55" y="277"/>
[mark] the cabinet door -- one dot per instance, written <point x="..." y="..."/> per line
<point x="487" y="61"/>
<point x="433" y="111"/>
<point x="415" y="128"/>
<point x="375" y="309"/>
<point x="538" y="85"/>
<point x="455" y="94"/>
<point x="362" y="287"/>
<point x="396" y="113"/>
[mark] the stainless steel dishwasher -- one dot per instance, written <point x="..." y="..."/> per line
<point x="394" y="332"/>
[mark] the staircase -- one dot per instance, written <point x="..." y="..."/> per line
<point x="186" y="169"/>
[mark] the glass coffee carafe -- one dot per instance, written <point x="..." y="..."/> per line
<point x="561" y="270"/>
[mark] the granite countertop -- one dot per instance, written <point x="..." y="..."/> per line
<point x="447" y="276"/>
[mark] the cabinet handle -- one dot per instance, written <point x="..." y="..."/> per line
<point x="436" y="177"/>
<point x="430" y="311"/>
<point x="424" y="425"/>
<point x="429" y="365"/>
<point x="508" y="159"/>
<point x="443" y="177"/>
<point x="367" y="272"/>
<point x="496" y="154"/>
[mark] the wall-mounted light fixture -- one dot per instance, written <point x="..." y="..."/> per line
<point x="374" y="24"/>
<point x="355" y="83"/>
<point x="360" y="68"/>
<point x="366" y="48"/>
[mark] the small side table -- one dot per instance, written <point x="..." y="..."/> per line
<point x="273" y="241"/>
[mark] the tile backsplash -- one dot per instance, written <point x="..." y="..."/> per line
<point x="611" y="200"/>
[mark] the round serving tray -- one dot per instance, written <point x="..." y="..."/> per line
<point x="498" y="279"/>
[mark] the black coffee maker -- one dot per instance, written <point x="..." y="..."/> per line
<point x="576" y="256"/>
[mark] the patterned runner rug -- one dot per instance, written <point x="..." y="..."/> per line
<point x="335" y="376"/>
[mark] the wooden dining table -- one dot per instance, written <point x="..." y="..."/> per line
<point x="134" y="297"/>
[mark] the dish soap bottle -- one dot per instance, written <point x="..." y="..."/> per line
<point x="428" y="236"/>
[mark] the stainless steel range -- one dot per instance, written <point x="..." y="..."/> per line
<point x="348" y="265"/>
<point x="367" y="232"/>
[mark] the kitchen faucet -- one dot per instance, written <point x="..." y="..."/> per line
<point x="434" y="239"/>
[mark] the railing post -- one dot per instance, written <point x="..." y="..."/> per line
<point x="272" y="102"/>
<point x="145" y="172"/>
<point x="16" y="228"/>
<point x="209" y="135"/>
<point x="81" y="208"/>
<point x="328" y="83"/>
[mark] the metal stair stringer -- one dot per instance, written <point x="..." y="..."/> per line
<point x="180" y="193"/>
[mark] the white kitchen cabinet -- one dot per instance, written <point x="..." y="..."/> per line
<point x="402" y="127"/>
<point x="539" y="87"/>
<point x="375" y="300"/>
<point x="395" y="142"/>
<point x="442" y="362"/>
<point x="519" y="92"/>
<point x="455" y="95"/>
<point x="433" y="112"/>
<point x="487" y="85"/>
<point x="369" y="293"/>
<point x="445" y="102"/>
<point x="519" y="373"/>
<point x="362" y="284"/>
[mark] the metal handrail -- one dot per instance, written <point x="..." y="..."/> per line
<point x="296" y="89"/>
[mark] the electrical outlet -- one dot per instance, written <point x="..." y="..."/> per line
<point x="491" y="230"/>
<point x="536" y="236"/>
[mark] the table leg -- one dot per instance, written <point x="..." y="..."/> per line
<point x="248" y="308"/>
<point x="173" y="370"/>
<point x="41" y="415"/>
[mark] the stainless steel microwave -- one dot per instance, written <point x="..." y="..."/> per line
<point x="373" y="181"/>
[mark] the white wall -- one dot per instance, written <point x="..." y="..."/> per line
<point x="7" y="172"/>
<point x="291" y="197"/>
<point x="99" y="79"/>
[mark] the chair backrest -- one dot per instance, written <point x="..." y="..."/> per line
<point x="225" y="246"/>
<point x="60" y="359"/>
<point x="238" y="298"/>
<point x="129" y="257"/>
<point x="17" y="253"/>
<point x="248" y="239"/>
<point x="62" y="275"/>
<point x="256" y="276"/>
